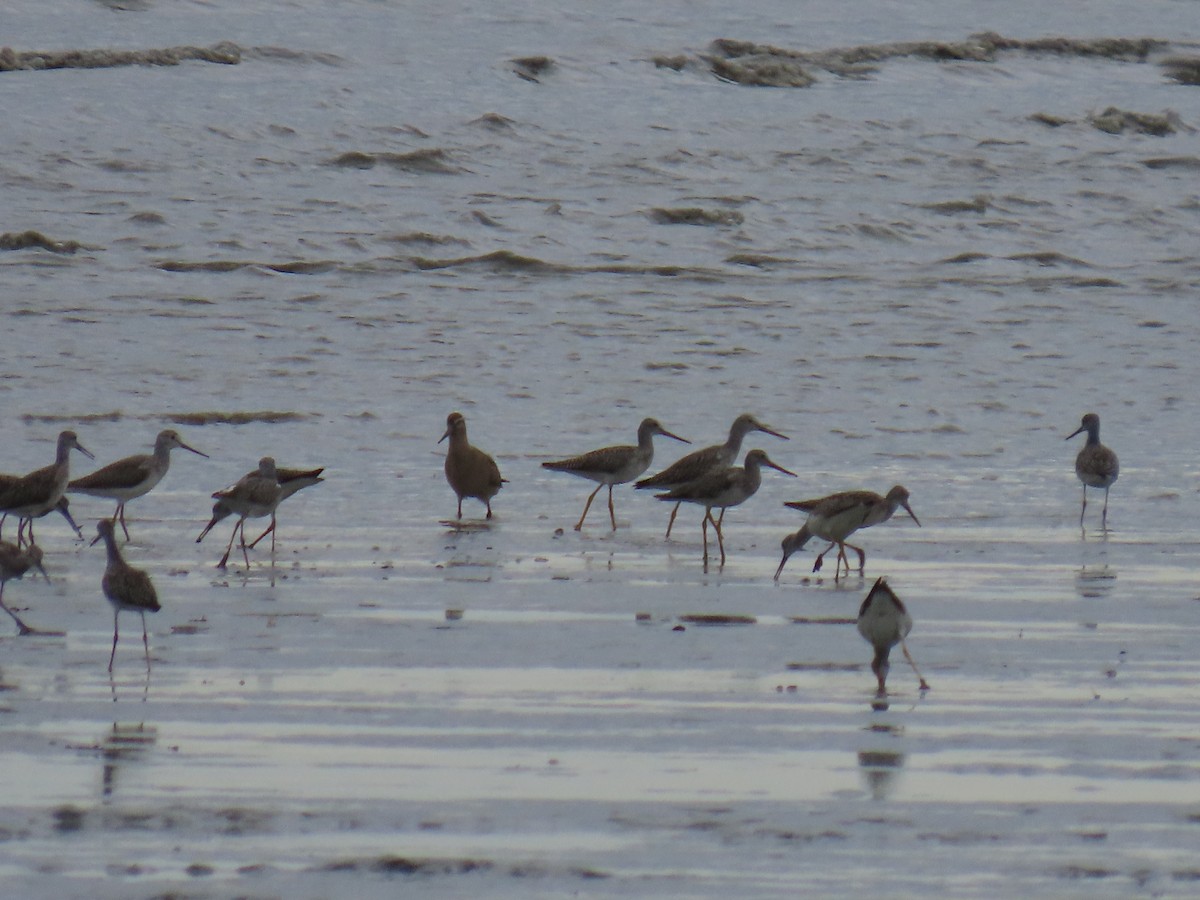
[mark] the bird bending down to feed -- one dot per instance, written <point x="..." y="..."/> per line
<point x="614" y="465"/>
<point x="723" y="488"/>
<point x="290" y="481"/>
<point x="470" y="471"/>
<point x="63" y="505"/>
<point x="255" y="495"/>
<point x="836" y="517"/>
<point x="126" y="588"/>
<point x="884" y="622"/>
<point x="14" y="562"/>
<point x="131" y="477"/>
<point x="32" y="496"/>
<point x="701" y="462"/>
<point x="1096" y="465"/>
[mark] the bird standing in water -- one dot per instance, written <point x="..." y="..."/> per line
<point x="884" y="622"/>
<point x="470" y="471"/>
<point x="126" y="588"/>
<point x="1096" y="465"/>
<point x="614" y="465"/>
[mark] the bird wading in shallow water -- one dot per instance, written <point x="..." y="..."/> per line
<point x="614" y="465"/>
<point x="723" y="488"/>
<point x="255" y="495"/>
<point x="470" y="471"/>
<point x="126" y="588"/>
<point x="836" y="517"/>
<point x="884" y="622"/>
<point x="32" y="496"/>
<point x="15" y="562"/>
<point x="699" y="463"/>
<point x="290" y="481"/>
<point x="131" y="477"/>
<point x="1096" y="465"/>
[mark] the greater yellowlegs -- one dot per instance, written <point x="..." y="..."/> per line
<point x="133" y="476"/>
<point x="255" y="495"/>
<point x="614" y="465"/>
<point x="884" y="622"/>
<point x="63" y="506"/>
<point x="701" y="462"/>
<point x="126" y="588"/>
<point x="290" y="481"/>
<point x="32" y="496"/>
<point x="1096" y="465"/>
<point x="14" y="562"/>
<point x="836" y="517"/>
<point x="721" y="489"/>
<point x="470" y="471"/>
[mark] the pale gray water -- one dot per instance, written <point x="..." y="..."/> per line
<point x="906" y="273"/>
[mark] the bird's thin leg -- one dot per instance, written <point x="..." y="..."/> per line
<point x="862" y="559"/>
<point x="704" y="532"/>
<point x="270" y="529"/>
<point x="121" y="512"/>
<point x="228" y="549"/>
<point x="113" y="655"/>
<point x="1104" y="514"/>
<point x="1083" y="508"/>
<point x="612" y="515"/>
<point x="145" y="642"/>
<point x="720" y="537"/>
<point x="3" y="519"/>
<point x="821" y="558"/>
<point x="671" y="523"/>
<point x="587" y="506"/>
<point x="245" y="555"/>
<point x="272" y="538"/>
<point x="22" y="628"/>
<point x="903" y="646"/>
<point x="459" y="508"/>
<point x="489" y="508"/>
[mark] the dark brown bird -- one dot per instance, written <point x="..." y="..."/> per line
<point x="125" y="587"/>
<point x="470" y="471"/>
<point x="1096" y="465"/>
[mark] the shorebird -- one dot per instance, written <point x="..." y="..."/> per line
<point x="614" y="465"/>
<point x="32" y="496"/>
<point x="133" y="476"/>
<point x="125" y="587"/>
<point x="836" y="517"/>
<point x="290" y="481"/>
<point x="721" y="489"/>
<point x="255" y="495"/>
<point x="884" y="622"/>
<point x="14" y="562"/>
<point x="1096" y="465"/>
<point x="470" y="471"/>
<point x="63" y="506"/>
<point x="701" y="462"/>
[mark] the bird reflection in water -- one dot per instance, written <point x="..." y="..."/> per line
<point x="126" y="742"/>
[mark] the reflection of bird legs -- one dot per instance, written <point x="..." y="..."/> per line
<point x="903" y="646"/>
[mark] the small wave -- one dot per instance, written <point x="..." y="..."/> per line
<point x="224" y="53"/>
<point x="694" y="215"/>
<point x="1118" y="121"/>
<point x="432" y="160"/>
<point x="532" y="68"/>
<point x="25" y="240"/>
<point x="748" y="63"/>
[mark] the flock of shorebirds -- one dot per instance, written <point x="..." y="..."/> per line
<point x="706" y="478"/>
<point x="709" y="478"/>
<point x="257" y="494"/>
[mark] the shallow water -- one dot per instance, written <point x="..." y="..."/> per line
<point x="906" y="272"/>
